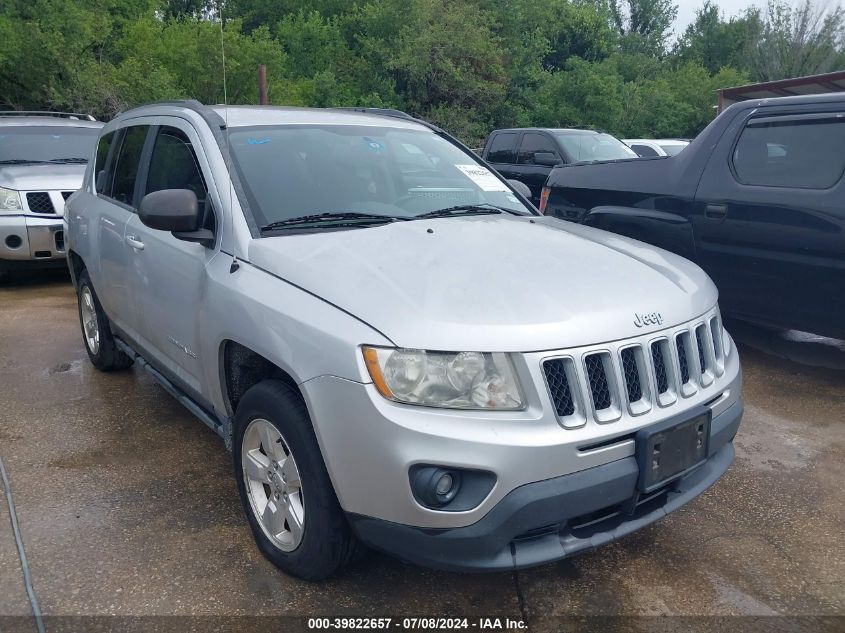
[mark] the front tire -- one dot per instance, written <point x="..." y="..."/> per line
<point x="96" y="330"/>
<point x="285" y="489"/>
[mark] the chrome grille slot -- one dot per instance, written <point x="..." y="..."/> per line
<point x="39" y="202"/>
<point x="631" y="374"/>
<point x="700" y="342"/>
<point x="683" y="365"/>
<point x="718" y="350"/>
<point x="599" y="385"/>
<point x="558" y="383"/>
<point x="659" y="356"/>
<point x="635" y="375"/>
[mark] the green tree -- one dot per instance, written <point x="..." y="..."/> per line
<point x="643" y="24"/>
<point x="802" y="40"/>
<point x="715" y="42"/>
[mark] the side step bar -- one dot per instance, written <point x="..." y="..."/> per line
<point x="222" y="428"/>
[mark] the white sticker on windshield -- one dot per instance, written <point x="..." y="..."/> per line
<point x="482" y="177"/>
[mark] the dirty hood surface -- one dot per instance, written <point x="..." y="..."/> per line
<point x="491" y="283"/>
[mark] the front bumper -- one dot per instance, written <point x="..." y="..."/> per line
<point x="370" y="444"/>
<point x="32" y="238"/>
<point x="556" y="518"/>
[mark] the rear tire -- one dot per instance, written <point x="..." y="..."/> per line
<point x="284" y="486"/>
<point x="96" y="329"/>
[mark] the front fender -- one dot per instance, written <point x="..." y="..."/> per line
<point x="665" y="229"/>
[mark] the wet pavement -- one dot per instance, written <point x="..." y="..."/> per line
<point x="128" y="507"/>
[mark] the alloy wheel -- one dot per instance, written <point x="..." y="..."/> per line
<point x="273" y="484"/>
<point x="90" y="326"/>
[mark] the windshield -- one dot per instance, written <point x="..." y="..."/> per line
<point x="592" y="146"/>
<point x="50" y="143"/>
<point x="295" y="171"/>
<point x="672" y="148"/>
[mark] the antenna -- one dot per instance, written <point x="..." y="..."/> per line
<point x="227" y="158"/>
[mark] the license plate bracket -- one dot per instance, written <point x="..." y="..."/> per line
<point x="671" y="449"/>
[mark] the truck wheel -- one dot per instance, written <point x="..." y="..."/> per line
<point x="96" y="331"/>
<point x="284" y="486"/>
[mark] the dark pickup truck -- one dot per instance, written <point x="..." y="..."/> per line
<point x="529" y="154"/>
<point x="757" y="200"/>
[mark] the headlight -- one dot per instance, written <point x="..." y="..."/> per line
<point x="10" y="200"/>
<point x="452" y="380"/>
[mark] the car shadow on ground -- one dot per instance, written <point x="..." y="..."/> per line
<point x="33" y="278"/>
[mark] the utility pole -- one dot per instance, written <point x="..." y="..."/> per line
<point x="262" y="85"/>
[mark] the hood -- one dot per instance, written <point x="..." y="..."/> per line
<point x="42" y="177"/>
<point x="491" y="283"/>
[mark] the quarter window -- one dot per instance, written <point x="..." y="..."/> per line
<point x="126" y="166"/>
<point x="533" y="142"/>
<point x="803" y="152"/>
<point x="501" y="148"/>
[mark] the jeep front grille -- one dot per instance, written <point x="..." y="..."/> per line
<point x="604" y="382"/>
<point x="66" y="194"/>
<point x="39" y="202"/>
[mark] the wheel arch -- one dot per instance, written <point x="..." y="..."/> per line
<point x="76" y="265"/>
<point x="241" y="368"/>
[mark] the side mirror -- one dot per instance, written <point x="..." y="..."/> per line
<point x="520" y="188"/>
<point x="546" y="158"/>
<point x="177" y="211"/>
<point x="100" y="182"/>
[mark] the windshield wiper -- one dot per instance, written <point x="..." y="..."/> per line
<point x="69" y="160"/>
<point x="467" y="209"/>
<point x="21" y="161"/>
<point x="340" y="218"/>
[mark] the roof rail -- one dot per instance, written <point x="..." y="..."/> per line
<point x="61" y="115"/>
<point x="382" y="111"/>
<point x="206" y="112"/>
<point x="398" y="114"/>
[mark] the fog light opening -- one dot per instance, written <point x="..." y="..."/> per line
<point x="14" y="241"/>
<point x="436" y="487"/>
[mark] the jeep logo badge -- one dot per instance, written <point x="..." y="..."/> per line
<point x="652" y="318"/>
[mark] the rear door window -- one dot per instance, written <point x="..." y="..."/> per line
<point x="501" y="148"/>
<point x="126" y="165"/>
<point x="534" y="142"/>
<point x="791" y="151"/>
<point x="100" y="163"/>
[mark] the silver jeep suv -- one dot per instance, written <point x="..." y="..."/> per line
<point x="42" y="160"/>
<point x="398" y="350"/>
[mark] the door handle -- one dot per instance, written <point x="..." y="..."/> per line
<point x="716" y="212"/>
<point x="134" y="242"/>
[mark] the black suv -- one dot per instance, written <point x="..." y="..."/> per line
<point x="530" y="154"/>
<point x="757" y="200"/>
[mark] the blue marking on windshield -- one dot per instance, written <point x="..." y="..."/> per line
<point x="258" y="141"/>
<point x="376" y="147"/>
